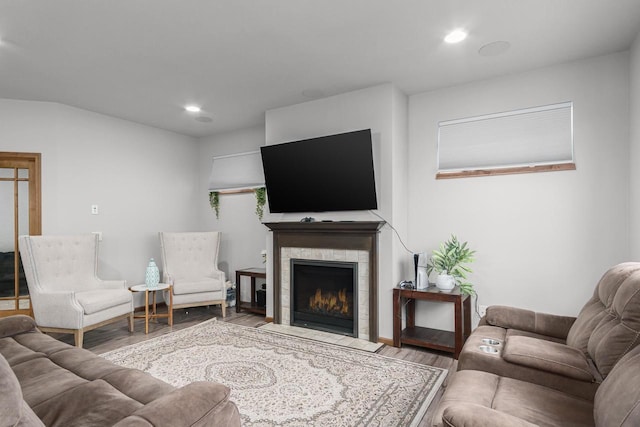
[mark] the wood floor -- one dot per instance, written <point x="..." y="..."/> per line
<point x="116" y="335"/>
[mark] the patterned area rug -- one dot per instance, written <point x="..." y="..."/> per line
<point x="280" y="380"/>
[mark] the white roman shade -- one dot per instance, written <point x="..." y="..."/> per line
<point x="521" y="138"/>
<point x="236" y="172"/>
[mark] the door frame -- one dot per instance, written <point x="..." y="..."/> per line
<point x="32" y="162"/>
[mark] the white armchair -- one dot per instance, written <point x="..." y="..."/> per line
<point x="66" y="294"/>
<point x="190" y="265"/>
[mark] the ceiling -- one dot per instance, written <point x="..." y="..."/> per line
<point x="143" y="60"/>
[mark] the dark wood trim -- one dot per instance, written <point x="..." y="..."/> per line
<point x="506" y="171"/>
<point x="352" y="235"/>
<point x="325" y="226"/>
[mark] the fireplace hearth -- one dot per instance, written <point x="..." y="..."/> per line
<point x="324" y="295"/>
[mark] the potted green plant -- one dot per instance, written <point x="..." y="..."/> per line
<point x="450" y="263"/>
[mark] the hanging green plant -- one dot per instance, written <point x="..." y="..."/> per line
<point x="261" y="199"/>
<point x="214" y="201"/>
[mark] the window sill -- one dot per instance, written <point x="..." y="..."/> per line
<point x="506" y="171"/>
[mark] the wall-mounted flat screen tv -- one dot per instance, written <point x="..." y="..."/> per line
<point x="329" y="173"/>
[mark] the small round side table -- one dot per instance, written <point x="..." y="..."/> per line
<point x="153" y="314"/>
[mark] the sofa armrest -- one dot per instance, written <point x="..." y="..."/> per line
<point x="473" y="415"/>
<point x="196" y="404"/>
<point x="548" y="356"/>
<point x="15" y="325"/>
<point x="529" y="321"/>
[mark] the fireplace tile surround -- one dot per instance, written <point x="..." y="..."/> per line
<point x="320" y="254"/>
<point x="346" y="241"/>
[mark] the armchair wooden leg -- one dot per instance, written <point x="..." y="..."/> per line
<point x="78" y="334"/>
<point x="130" y="321"/>
<point x="224" y="306"/>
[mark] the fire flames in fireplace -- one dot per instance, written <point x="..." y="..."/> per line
<point x="330" y="302"/>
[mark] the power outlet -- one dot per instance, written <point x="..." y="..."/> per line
<point x="482" y="310"/>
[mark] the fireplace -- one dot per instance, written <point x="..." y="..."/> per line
<point x="354" y="242"/>
<point x="324" y="295"/>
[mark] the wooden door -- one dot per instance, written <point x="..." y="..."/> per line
<point x="20" y="213"/>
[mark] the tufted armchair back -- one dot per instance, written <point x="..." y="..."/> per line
<point x="190" y="256"/>
<point x="608" y="326"/>
<point x="57" y="263"/>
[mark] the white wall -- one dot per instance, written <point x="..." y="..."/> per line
<point x="243" y="235"/>
<point x="141" y="178"/>
<point x="402" y="264"/>
<point x="382" y="109"/>
<point x="635" y="150"/>
<point x="543" y="240"/>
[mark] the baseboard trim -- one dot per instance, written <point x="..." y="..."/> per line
<point x="387" y="341"/>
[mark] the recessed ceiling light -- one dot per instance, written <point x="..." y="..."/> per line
<point x="456" y="36"/>
<point x="193" y="108"/>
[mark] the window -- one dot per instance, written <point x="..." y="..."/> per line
<point x="535" y="139"/>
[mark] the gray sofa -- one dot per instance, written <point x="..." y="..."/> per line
<point x="46" y="382"/>
<point x="525" y="368"/>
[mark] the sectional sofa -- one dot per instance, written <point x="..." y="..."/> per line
<point x="46" y="382"/>
<point x="522" y="368"/>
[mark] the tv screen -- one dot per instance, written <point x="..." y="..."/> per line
<point x="330" y="173"/>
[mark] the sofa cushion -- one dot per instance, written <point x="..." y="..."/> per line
<point x="472" y="415"/>
<point x="102" y="299"/>
<point x="41" y="380"/>
<point x="532" y="403"/>
<point x="472" y="357"/>
<point x="548" y="356"/>
<point x="94" y="403"/>
<point x="189" y="406"/>
<point x="194" y="286"/>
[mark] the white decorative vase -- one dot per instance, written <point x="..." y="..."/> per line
<point x="152" y="277"/>
<point x="445" y="282"/>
